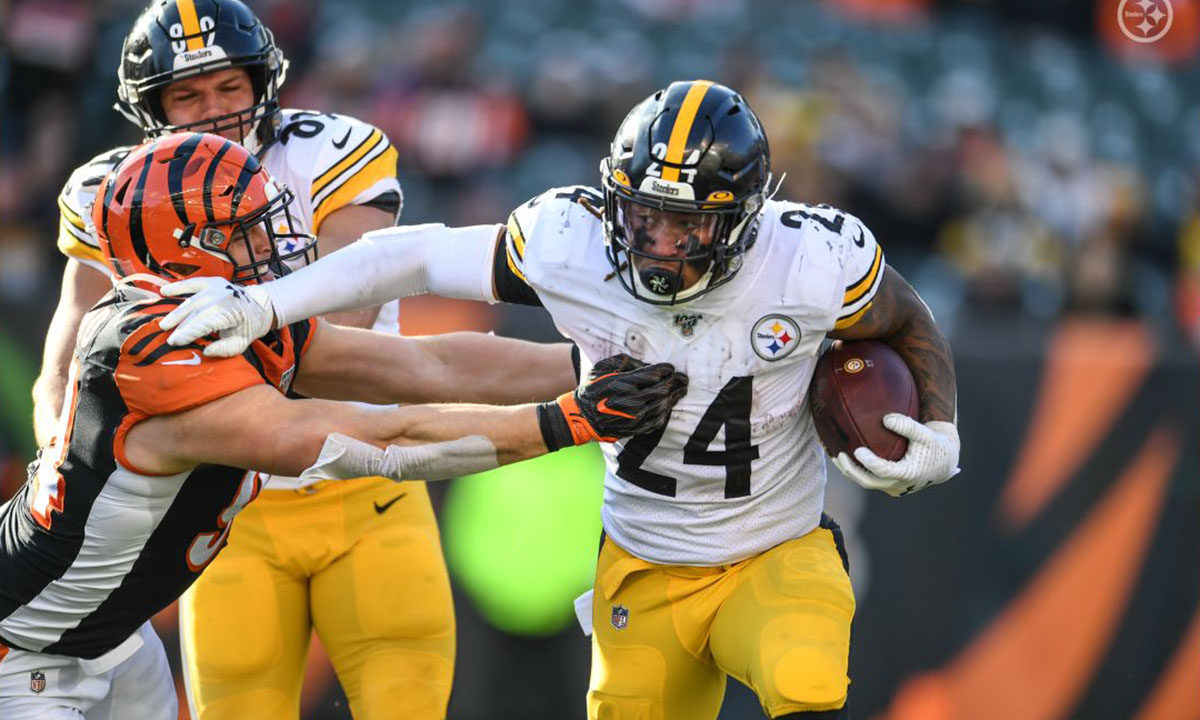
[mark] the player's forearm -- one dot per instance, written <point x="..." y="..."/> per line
<point x="512" y="431"/>
<point x="473" y="367"/>
<point x="81" y="288"/>
<point x="353" y="364"/>
<point x="50" y="386"/>
<point x="389" y="264"/>
<point x="431" y="436"/>
<point x="927" y="354"/>
<point x="362" y="318"/>
<point x="433" y="443"/>
<point x="48" y="392"/>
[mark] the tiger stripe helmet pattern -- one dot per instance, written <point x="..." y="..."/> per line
<point x="187" y="204"/>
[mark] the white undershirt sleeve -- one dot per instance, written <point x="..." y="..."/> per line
<point x="388" y="264"/>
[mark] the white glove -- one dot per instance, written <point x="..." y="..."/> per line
<point x="241" y="314"/>
<point x="932" y="458"/>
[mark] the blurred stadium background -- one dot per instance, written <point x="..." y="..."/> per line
<point x="1030" y="169"/>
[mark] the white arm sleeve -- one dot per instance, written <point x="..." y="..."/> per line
<point x="388" y="264"/>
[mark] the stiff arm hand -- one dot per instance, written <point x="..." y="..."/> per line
<point x="931" y="459"/>
<point x="385" y="264"/>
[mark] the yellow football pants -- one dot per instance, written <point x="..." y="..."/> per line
<point x="361" y="562"/>
<point x="665" y="637"/>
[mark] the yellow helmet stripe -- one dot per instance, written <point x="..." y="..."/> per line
<point x="683" y="127"/>
<point x="191" y="24"/>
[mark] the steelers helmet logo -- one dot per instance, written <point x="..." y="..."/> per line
<point x="774" y="337"/>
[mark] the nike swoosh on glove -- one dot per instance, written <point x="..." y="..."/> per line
<point x="239" y="314"/>
<point x="931" y="459"/>
<point x="623" y="397"/>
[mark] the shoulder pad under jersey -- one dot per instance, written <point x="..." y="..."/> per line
<point x="558" y="213"/>
<point x="839" y="253"/>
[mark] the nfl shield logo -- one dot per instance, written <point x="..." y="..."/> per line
<point x="37" y="681"/>
<point x="620" y="617"/>
<point x="686" y="324"/>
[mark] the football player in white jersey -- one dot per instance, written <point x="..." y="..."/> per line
<point x="139" y="493"/>
<point x="717" y="559"/>
<point x="211" y="65"/>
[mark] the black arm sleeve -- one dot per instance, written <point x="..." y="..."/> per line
<point x="510" y="286"/>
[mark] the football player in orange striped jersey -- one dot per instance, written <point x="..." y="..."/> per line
<point x="211" y="65"/>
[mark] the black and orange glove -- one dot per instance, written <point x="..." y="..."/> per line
<point x="622" y="397"/>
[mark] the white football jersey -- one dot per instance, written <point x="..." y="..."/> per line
<point x="328" y="161"/>
<point x="738" y="468"/>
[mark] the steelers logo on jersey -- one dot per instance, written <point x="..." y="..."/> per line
<point x="774" y="337"/>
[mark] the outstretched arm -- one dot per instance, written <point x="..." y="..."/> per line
<point x="383" y="265"/>
<point x="351" y="364"/>
<point x="259" y="428"/>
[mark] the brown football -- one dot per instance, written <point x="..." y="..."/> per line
<point x="854" y="385"/>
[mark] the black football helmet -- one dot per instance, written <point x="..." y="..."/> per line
<point x="176" y="39"/>
<point x="694" y="152"/>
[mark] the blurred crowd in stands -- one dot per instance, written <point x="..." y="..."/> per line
<point x="1014" y="165"/>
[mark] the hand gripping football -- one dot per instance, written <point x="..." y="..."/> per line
<point x="854" y="385"/>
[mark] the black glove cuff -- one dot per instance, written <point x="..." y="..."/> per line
<point x="556" y="433"/>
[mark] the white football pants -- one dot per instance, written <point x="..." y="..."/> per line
<point x="131" y="681"/>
